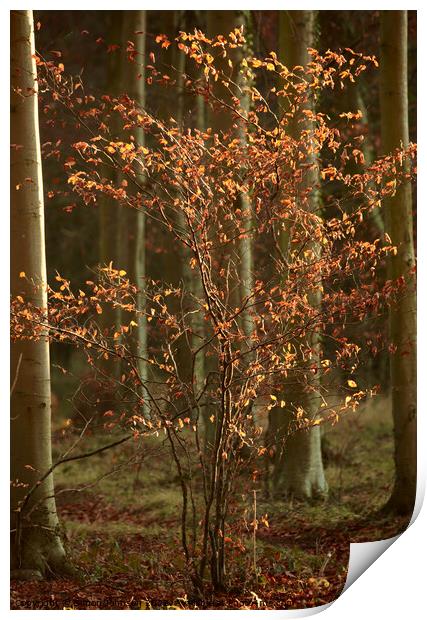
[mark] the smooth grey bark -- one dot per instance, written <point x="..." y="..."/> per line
<point x="160" y="106"/>
<point x="133" y="84"/>
<point x="191" y="280"/>
<point x="111" y="216"/>
<point x="199" y="331"/>
<point x="246" y="252"/>
<point x="399" y="225"/>
<point x="298" y="468"/>
<point x="223" y="22"/>
<point x="36" y="548"/>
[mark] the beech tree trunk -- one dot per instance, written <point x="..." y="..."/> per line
<point x="246" y="252"/>
<point x="224" y="22"/>
<point x="399" y="225"/>
<point x="199" y="331"/>
<point x="298" y="467"/>
<point x="111" y="215"/>
<point x="192" y="282"/>
<point x="133" y="82"/>
<point x="36" y="547"/>
<point x="160" y="106"/>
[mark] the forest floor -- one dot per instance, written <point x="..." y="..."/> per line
<point x="122" y="532"/>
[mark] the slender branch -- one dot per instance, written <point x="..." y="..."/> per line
<point x="67" y="459"/>
<point x="15" y="380"/>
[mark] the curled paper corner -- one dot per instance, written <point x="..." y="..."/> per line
<point x="363" y="555"/>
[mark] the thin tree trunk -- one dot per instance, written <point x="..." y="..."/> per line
<point x="246" y="252"/>
<point x="192" y="283"/>
<point x="217" y="22"/>
<point x="133" y="79"/>
<point x="399" y="225"/>
<point x="36" y="546"/>
<point x="223" y="22"/>
<point x="199" y="331"/>
<point x="353" y="100"/>
<point x="111" y="216"/>
<point x="298" y="466"/>
<point x="160" y="105"/>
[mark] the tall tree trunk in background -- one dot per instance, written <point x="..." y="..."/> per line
<point x="353" y="99"/>
<point x="199" y="322"/>
<point x="160" y="106"/>
<point x="223" y="22"/>
<point x="399" y="225"/>
<point x="377" y="367"/>
<point x="119" y="84"/>
<point x="298" y="467"/>
<point x="133" y="79"/>
<point x="36" y="546"/>
<point x="192" y="284"/>
<point x="199" y="331"/>
<point x="246" y="252"/>
<point x="111" y="216"/>
<point x="175" y="257"/>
